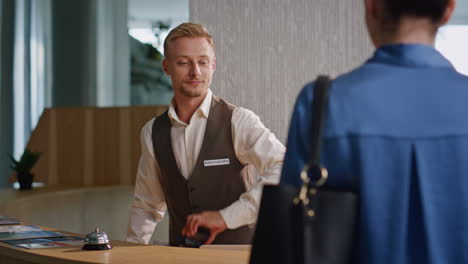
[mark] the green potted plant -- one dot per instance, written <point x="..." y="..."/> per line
<point x="23" y="168"/>
<point x="150" y="85"/>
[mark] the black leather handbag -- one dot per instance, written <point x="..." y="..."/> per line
<point x="312" y="224"/>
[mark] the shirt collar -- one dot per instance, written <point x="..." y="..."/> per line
<point x="412" y="55"/>
<point x="203" y="110"/>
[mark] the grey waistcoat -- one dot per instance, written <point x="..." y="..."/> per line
<point x="208" y="188"/>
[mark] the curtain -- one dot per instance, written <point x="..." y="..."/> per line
<point x="112" y="53"/>
<point x="7" y="18"/>
<point x="32" y="67"/>
<point x="21" y="85"/>
<point x="40" y="58"/>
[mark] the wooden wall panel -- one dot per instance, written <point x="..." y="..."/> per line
<point x="125" y="142"/>
<point x="86" y="146"/>
<point x="41" y="142"/>
<point x="88" y="166"/>
<point x="70" y="139"/>
<point x="106" y="142"/>
<point x="140" y="116"/>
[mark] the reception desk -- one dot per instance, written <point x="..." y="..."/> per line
<point x="76" y="209"/>
<point x="79" y="210"/>
<point x="122" y="253"/>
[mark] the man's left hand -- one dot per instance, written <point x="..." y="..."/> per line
<point x="211" y="220"/>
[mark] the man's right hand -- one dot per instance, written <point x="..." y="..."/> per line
<point x="211" y="220"/>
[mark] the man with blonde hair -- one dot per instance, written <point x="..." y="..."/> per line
<point x="205" y="160"/>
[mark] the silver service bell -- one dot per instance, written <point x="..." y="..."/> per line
<point x="96" y="241"/>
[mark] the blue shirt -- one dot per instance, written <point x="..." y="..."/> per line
<point x="396" y="133"/>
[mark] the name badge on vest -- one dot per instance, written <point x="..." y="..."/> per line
<point x="216" y="162"/>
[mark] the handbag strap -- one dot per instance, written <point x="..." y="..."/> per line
<point x="319" y="106"/>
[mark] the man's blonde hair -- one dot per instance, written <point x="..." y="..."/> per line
<point x="187" y="30"/>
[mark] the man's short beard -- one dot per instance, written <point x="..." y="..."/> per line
<point x="191" y="93"/>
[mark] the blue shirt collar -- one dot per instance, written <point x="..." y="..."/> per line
<point x="411" y="55"/>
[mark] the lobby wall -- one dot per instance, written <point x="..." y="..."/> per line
<point x="267" y="50"/>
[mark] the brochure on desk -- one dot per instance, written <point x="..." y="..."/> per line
<point x="51" y="242"/>
<point x="24" y="232"/>
<point x="8" y="221"/>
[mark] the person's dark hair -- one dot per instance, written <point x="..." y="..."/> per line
<point x="433" y="9"/>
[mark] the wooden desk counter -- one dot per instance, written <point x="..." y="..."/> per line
<point x="122" y="253"/>
<point x="76" y="209"/>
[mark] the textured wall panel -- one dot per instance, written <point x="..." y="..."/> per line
<point x="267" y="50"/>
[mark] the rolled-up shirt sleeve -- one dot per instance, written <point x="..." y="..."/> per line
<point x="149" y="205"/>
<point x="255" y="145"/>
